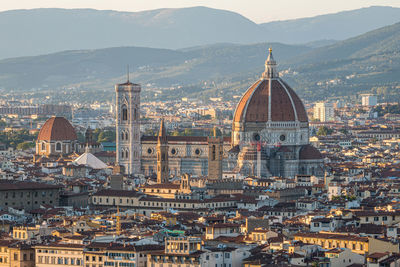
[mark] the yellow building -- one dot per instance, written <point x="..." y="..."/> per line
<point x="5" y="252"/>
<point x="170" y="219"/>
<point x="15" y="254"/>
<point x="22" y="255"/>
<point x="178" y="251"/>
<point x="262" y="235"/>
<point x="57" y="254"/>
<point x="357" y="244"/>
<point x="114" y="254"/>
<point x="25" y="233"/>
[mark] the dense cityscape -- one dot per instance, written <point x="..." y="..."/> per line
<point x="145" y="176"/>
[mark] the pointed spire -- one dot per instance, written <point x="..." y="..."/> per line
<point x="162" y="131"/>
<point x="270" y="67"/>
<point x="127" y="73"/>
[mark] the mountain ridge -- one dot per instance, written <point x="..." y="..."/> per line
<point x="43" y="31"/>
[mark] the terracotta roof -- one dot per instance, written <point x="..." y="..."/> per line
<point x="285" y="104"/>
<point x="57" y="129"/>
<point x="7" y="185"/>
<point x="333" y="236"/>
<point x="309" y="152"/>
<point x="117" y="193"/>
<point x="162" y="186"/>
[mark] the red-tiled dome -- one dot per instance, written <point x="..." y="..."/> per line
<point x="309" y="152"/>
<point x="285" y="104"/>
<point x="270" y="99"/>
<point x="57" y="129"/>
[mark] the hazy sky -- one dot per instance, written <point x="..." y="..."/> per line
<point x="256" y="10"/>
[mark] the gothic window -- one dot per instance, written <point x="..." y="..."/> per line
<point x="213" y="153"/>
<point x="134" y="114"/>
<point x="124" y="113"/>
<point x="122" y="154"/>
<point x="127" y="154"/>
<point x="126" y="136"/>
<point x="122" y="136"/>
<point x="43" y="146"/>
<point x="58" y="146"/>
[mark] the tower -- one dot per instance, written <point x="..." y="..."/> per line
<point x="128" y="126"/>
<point x="215" y="156"/>
<point x="185" y="184"/>
<point x="88" y="136"/>
<point x="162" y="155"/>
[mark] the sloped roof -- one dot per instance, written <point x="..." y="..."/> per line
<point x="88" y="159"/>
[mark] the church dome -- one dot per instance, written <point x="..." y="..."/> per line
<point x="270" y="99"/>
<point x="57" y="129"/>
<point x="309" y="152"/>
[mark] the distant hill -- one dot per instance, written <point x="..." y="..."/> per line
<point x="43" y="31"/>
<point x="101" y="68"/>
<point x="366" y="63"/>
<point x="337" y="26"/>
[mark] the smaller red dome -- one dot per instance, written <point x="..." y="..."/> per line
<point x="57" y="129"/>
<point x="309" y="152"/>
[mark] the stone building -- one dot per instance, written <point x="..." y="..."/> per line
<point x="28" y="195"/>
<point x="270" y="137"/>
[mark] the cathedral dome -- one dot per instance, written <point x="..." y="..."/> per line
<point x="270" y="100"/>
<point x="285" y="104"/>
<point x="309" y="152"/>
<point x="270" y="112"/>
<point x="57" y="129"/>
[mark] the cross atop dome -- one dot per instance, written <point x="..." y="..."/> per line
<point x="270" y="67"/>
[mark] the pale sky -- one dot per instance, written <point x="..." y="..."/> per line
<point x="256" y="10"/>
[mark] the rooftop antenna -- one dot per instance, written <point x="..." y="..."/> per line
<point x="127" y="72"/>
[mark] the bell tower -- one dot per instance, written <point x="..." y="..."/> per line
<point x="128" y="152"/>
<point x="215" y="156"/>
<point x="162" y="155"/>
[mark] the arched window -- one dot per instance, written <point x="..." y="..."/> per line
<point x="213" y="152"/>
<point x="122" y="136"/>
<point x="124" y="113"/>
<point x="122" y="154"/>
<point x="43" y="146"/>
<point x="134" y="114"/>
<point x="127" y="154"/>
<point x="58" y="146"/>
<point x="126" y="135"/>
